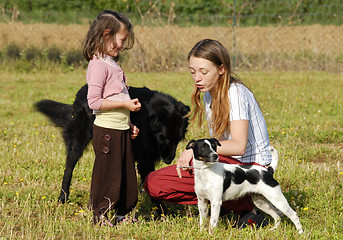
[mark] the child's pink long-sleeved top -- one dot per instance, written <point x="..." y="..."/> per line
<point x="104" y="80"/>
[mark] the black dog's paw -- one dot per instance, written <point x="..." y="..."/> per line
<point x="63" y="198"/>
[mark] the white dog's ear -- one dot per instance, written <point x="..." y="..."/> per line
<point x="216" y="141"/>
<point x="190" y="144"/>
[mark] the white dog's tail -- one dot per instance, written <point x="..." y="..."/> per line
<point x="275" y="158"/>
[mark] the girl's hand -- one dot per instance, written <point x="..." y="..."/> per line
<point x="183" y="162"/>
<point x="134" y="131"/>
<point x="134" y="105"/>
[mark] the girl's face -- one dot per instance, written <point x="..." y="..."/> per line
<point x="204" y="73"/>
<point x="119" y="40"/>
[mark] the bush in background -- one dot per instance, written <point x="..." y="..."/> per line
<point x="16" y="57"/>
<point x="13" y="51"/>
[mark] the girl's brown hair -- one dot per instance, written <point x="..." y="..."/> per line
<point x="95" y="39"/>
<point x="215" y="52"/>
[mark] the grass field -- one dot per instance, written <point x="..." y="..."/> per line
<point x="303" y="111"/>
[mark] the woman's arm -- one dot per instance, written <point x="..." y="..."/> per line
<point x="234" y="147"/>
<point x="239" y="138"/>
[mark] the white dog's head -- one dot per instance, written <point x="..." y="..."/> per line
<point x="204" y="149"/>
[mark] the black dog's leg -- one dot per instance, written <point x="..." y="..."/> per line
<point x="67" y="176"/>
<point x="77" y="134"/>
<point x="144" y="169"/>
<point x="74" y="153"/>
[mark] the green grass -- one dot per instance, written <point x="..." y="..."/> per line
<point x="303" y="111"/>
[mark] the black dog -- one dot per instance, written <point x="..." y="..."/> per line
<point x="161" y="121"/>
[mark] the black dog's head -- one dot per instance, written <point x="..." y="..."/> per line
<point x="168" y="123"/>
<point x="162" y="125"/>
<point x="204" y="149"/>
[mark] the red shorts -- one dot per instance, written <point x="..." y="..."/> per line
<point x="164" y="184"/>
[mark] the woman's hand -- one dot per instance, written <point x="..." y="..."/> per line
<point x="183" y="162"/>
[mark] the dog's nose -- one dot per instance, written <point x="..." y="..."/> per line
<point x="215" y="156"/>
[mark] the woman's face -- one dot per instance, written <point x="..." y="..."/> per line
<point x="120" y="38"/>
<point x="204" y="73"/>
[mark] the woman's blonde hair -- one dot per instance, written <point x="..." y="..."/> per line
<point x="95" y="41"/>
<point x="215" y="52"/>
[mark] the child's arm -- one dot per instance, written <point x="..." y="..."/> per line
<point x="133" y="105"/>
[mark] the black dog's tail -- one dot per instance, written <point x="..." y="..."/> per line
<point x="58" y="113"/>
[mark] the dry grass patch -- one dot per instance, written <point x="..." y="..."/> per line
<point x="165" y="48"/>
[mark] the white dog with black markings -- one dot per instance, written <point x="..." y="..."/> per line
<point x="218" y="182"/>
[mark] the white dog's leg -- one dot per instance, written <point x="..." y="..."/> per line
<point x="263" y="204"/>
<point x="203" y="210"/>
<point x="215" y="211"/>
<point x="276" y="198"/>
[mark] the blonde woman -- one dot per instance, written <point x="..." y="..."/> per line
<point x="233" y="116"/>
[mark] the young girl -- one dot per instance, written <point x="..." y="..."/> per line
<point x="233" y="117"/>
<point x="114" y="182"/>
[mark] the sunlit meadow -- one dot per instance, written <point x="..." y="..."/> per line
<point x="303" y="111"/>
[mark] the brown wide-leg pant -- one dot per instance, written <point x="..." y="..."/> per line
<point x="114" y="180"/>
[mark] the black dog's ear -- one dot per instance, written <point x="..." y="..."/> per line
<point x="190" y="144"/>
<point x="184" y="109"/>
<point x="216" y="141"/>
